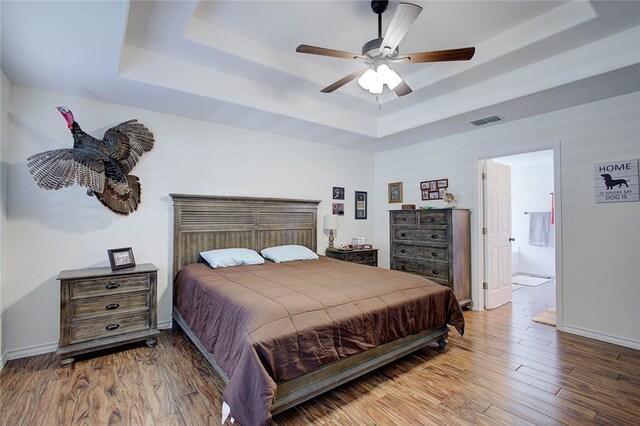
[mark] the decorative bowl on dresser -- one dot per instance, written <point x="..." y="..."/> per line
<point x="362" y="256"/>
<point x="100" y="308"/>
<point x="435" y="244"/>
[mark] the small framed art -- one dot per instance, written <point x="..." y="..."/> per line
<point x="433" y="189"/>
<point x="338" y="193"/>
<point x="395" y="192"/>
<point x="121" y="258"/>
<point x="337" y="209"/>
<point x="361" y="205"/>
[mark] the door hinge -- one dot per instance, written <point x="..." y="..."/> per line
<point x="484" y="231"/>
<point x="485" y="286"/>
<point x="484" y="176"/>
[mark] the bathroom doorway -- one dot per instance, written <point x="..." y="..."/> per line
<point x="533" y="238"/>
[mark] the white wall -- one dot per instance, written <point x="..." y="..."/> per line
<point x="49" y="231"/>
<point x="531" y="188"/>
<point x="600" y="242"/>
<point x="5" y="97"/>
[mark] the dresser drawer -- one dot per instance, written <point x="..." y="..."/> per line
<point x="116" y="304"/>
<point x="421" y="252"/>
<point x="108" y="326"/>
<point x="106" y="286"/>
<point x="408" y="218"/>
<point x="428" y="269"/>
<point x="438" y="236"/>
<point x="432" y="218"/>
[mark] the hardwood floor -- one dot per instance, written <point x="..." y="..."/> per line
<point x="506" y="370"/>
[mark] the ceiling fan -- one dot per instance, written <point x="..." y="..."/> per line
<point x="380" y="52"/>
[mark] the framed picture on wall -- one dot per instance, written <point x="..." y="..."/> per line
<point x="338" y="193"/>
<point x="395" y="192"/>
<point x="337" y="209"/>
<point x="361" y="205"/>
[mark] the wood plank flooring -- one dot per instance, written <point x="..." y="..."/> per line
<point x="506" y="370"/>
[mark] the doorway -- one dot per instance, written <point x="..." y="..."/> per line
<point x="524" y="264"/>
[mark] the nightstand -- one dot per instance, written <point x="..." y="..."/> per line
<point x="362" y="256"/>
<point x="100" y="308"/>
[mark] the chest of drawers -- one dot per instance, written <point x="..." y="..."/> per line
<point x="363" y="256"/>
<point x="100" y="309"/>
<point x="434" y="244"/>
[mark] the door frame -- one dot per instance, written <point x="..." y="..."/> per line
<point x="557" y="184"/>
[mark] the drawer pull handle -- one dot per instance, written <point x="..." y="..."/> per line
<point x="111" y="286"/>
<point x="112" y="327"/>
<point x="404" y="219"/>
<point x="431" y="219"/>
<point x="403" y="235"/>
<point x="435" y="237"/>
<point x="434" y="272"/>
<point x="403" y="251"/>
<point x="112" y="306"/>
<point x="434" y="254"/>
<point x="403" y="267"/>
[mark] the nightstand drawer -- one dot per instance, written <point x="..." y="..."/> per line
<point x="361" y="257"/>
<point x="105" y="286"/>
<point x="107" y="326"/>
<point x="109" y="305"/>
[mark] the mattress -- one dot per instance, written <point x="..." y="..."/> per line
<point x="266" y="324"/>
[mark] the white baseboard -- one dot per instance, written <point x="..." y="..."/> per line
<point x="49" y="347"/>
<point x="32" y="350"/>
<point x="165" y="324"/>
<point x="527" y="271"/>
<point x="3" y="360"/>
<point x="599" y="336"/>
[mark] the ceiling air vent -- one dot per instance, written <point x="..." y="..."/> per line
<point x="486" y="120"/>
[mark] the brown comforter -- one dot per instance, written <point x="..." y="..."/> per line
<point x="274" y="322"/>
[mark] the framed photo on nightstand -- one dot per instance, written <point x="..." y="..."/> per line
<point x="121" y="258"/>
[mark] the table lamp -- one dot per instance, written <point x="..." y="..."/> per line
<point x="330" y="224"/>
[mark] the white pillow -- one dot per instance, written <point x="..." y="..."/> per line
<point x="288" y="253"/>
<point x="223" y="258"/>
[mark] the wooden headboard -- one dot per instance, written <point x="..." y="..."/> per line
<point x="203" y="223"/>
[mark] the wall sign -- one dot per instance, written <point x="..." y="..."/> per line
<point x="617" y="181"/>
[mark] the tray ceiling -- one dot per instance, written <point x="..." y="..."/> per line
<point x="234" y="62"/>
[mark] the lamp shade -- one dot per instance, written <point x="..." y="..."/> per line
<point x="330" y="221"/>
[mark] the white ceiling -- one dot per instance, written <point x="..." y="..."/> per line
<point x="234" y="62"/>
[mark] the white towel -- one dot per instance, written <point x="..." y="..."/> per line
<point x="539" y="223"/>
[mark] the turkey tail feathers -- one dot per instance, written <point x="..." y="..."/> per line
<point x="122" y="204"/>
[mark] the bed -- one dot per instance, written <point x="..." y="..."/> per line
<point x="280" y="334"/>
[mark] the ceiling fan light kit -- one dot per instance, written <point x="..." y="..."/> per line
<point x="373" y="80"/>
<point x="379" y="52"/>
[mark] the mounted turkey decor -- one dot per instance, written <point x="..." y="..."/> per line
<point x="380" y="53"/>
<point x="103" y="166"/>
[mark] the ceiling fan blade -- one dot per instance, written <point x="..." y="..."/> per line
<point x="344" y="80"/>
<point x="405" y="15"/>
<point x="463" y="54"/>
<point x="315" y="50"/>
<point x="402" y="89"/>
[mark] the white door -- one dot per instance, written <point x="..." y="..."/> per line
<point x="497" y="214"/>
